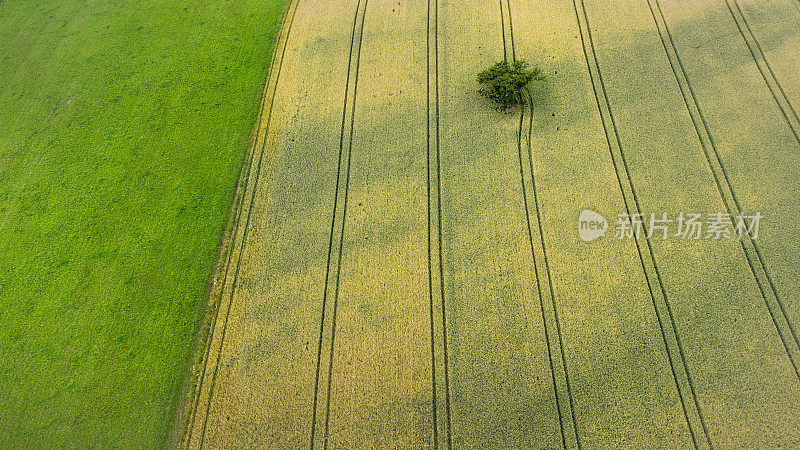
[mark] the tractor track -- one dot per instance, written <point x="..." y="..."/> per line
<point x="760" y="271"/>
<point x="434" y="159"/>
<point x="764" y="68"/>
<point x="346" y="130"/>
<point x="681" y="374"/>
<point x="570" y="436"/>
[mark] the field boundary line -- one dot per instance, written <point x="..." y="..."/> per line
<point x="669" y="334"/>
<point x="570" y="436"/>
<point x="760" y="58"/>
<point x="241" y="192"/>
<point x="234" y="284"/>
<point x="433" y="159"/>
<point x="772" y="299"/>
<point x="227" y="255"/>
<point x="354" y="62"/>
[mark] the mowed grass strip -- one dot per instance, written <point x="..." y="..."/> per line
<point x="123" y="128"/>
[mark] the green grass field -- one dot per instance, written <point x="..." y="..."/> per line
<point x="122" y="129"/>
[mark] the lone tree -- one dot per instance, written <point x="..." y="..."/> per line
<point x="503" y="82"/>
